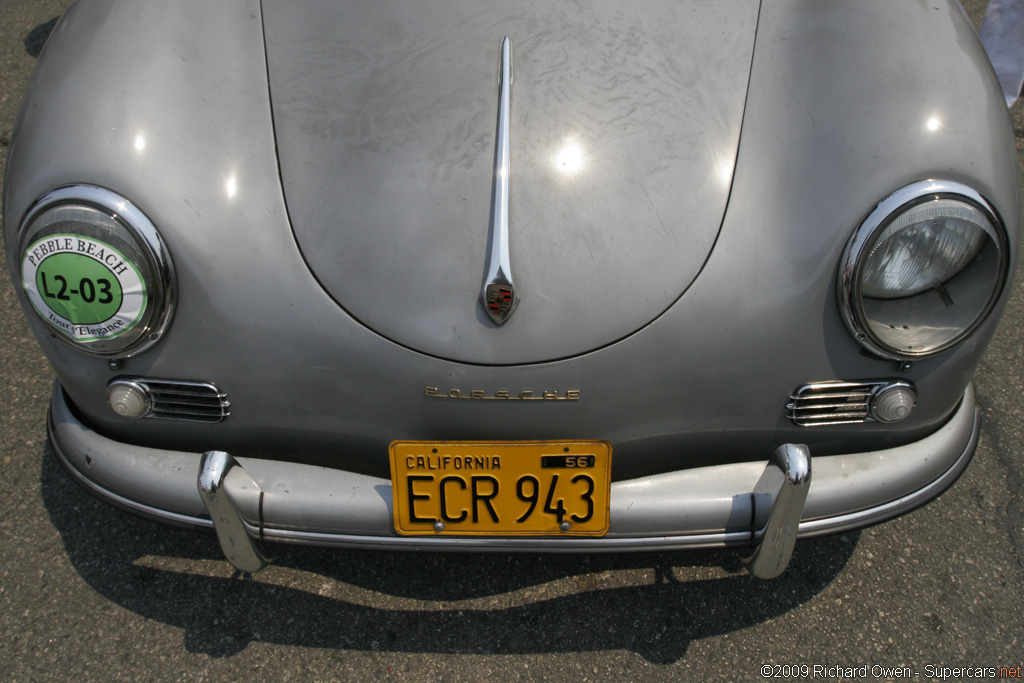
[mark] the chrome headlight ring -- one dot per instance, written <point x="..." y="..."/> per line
<point x="93" y="267"/>
<point x="923" y="270"/>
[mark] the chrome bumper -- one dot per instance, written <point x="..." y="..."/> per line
<point x="724" y="505"/>
<point x="229" y="492"/>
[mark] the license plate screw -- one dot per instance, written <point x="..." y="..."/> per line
<point x="565" y="526"/>
<point x="438" y="526"/>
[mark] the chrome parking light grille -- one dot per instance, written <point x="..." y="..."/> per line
<point x="832" y="403"/>
<point x="177" y="400"/>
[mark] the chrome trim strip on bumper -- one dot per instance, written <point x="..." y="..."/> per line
<point x="701" y="508"/>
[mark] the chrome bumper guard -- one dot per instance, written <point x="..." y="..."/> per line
<point x="226" y="488"/>
<point x="230" y="494"/>
<point x="782" y="488"/>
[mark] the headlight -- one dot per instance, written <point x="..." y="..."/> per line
<point x="923" y="270"/>
<point x="94" y="268"/>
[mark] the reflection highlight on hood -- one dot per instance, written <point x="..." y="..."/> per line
<point x="569" y="159"/>
<point x="723" y="166"/>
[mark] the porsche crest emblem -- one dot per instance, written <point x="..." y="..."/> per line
<point x="500" y="299"/>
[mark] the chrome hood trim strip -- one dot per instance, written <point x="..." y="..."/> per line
<point x="499" y="295"/>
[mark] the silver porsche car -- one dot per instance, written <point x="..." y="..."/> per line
<point x="519" y="276"/>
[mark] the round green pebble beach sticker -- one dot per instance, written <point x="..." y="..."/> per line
<point x="84" y="287"/>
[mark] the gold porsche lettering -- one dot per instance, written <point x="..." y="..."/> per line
<point x="503" y="394"/>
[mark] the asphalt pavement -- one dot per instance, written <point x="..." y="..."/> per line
<point x="90" y="593"/>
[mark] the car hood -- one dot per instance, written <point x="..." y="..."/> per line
<point x="624" y="127"/>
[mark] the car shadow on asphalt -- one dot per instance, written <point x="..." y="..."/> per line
<point x="36" y="38"/>
<point x="654" y="604"/>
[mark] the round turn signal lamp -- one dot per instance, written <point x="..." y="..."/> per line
<point x="129" y="399"/>
<point x="893" y="403"/>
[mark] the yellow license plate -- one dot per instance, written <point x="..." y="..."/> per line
<point x="525" y="488"/>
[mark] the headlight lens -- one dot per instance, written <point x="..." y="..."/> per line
<point x="94" y="268"/>
<point x="923" y="270"/>
<point x="923" y="247"/>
